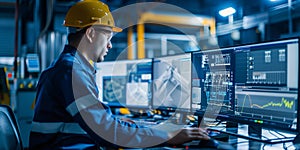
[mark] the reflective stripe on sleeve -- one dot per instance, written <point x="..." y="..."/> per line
<point x="81" y="103"/>
<point x="55" y="127"/>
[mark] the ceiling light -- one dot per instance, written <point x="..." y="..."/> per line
<point x="227" y="11"/>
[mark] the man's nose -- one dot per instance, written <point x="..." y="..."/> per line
<point x="109" y="45"/>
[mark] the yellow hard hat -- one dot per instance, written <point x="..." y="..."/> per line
<point x="90" y="12"/>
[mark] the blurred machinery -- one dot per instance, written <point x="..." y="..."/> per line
<point x="25" y="101"/>
<point x="20" y="94"/>
<point x="177" y="21"/>
<point x="4" y="87"/>
<point x="23" y="93"/>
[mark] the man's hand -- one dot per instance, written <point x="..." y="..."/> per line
<point x="187" y="135"/>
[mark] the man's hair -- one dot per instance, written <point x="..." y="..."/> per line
<point x="75" y="37"/>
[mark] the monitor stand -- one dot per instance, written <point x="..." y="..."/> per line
<point x="255" y="131"/>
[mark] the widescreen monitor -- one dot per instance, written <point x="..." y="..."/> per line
<point x="266" y="84"/>
<point x="253" y="84"/>
<point x="172" y="82"/>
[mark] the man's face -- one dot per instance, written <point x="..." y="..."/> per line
<point x="102" y="42"/>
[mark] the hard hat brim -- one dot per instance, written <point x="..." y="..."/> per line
<point x="114" y="28"/>
<point x="117" y="29"/>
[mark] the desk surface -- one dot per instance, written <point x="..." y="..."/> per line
<point x="239" y="144"/>
<point x="245" y="144"/>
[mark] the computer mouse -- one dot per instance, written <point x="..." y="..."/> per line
<point x="219" y="136"/>
<point x="211" y="143"/>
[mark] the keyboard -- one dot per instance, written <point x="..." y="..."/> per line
<point x="145" y="123"/>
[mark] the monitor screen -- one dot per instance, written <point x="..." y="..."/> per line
<point x="125" y="83"/>
<point x="266" y="84"/>
<point x="172" y="82"/>
<point x="212" y="81"/>
<point x="32" y="63"/>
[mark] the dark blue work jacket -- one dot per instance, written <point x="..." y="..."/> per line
<point x="69" y="115"/>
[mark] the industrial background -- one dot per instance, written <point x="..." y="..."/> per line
<point x="32" y="30"/>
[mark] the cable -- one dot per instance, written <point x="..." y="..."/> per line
<point x="284" y="146"/>
<point x="280" y="134"/>
<point x="283" y="136"/>
<point x="219" y="122"/>
<point x="264" y="145"/>
<point x="273" y="134"/>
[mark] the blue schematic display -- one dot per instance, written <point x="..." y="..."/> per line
<point x="212" y="80"/>
<point x="262" y="65"/>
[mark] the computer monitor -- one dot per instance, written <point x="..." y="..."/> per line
<point x="125" y="83"/>
<point x="213" y="81"/>
<point x="266" y="84"/>
<point x="172" y="82"/>
<point x="254" y="84"/>
<point x="32" y="63"/>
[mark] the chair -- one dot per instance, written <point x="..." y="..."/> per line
<point x="10" y="138"/>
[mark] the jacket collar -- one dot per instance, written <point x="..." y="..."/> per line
<point x="81" y="59"/>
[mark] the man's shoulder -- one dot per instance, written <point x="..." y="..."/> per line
<point x="66" y="60"/>
<point x="62" y="65"/>
<point x="67" y="57"/>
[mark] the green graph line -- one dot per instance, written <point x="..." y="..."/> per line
<point x="284" y="103"/>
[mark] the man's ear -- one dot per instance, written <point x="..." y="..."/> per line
<point x="90" y="34"/>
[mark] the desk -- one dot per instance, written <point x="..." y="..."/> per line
<point x="242" y="145"/>
<point x="236" y="142"/>
<point x="245" y="144"/>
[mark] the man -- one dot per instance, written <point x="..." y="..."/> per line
<point x="68" y="114"/>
